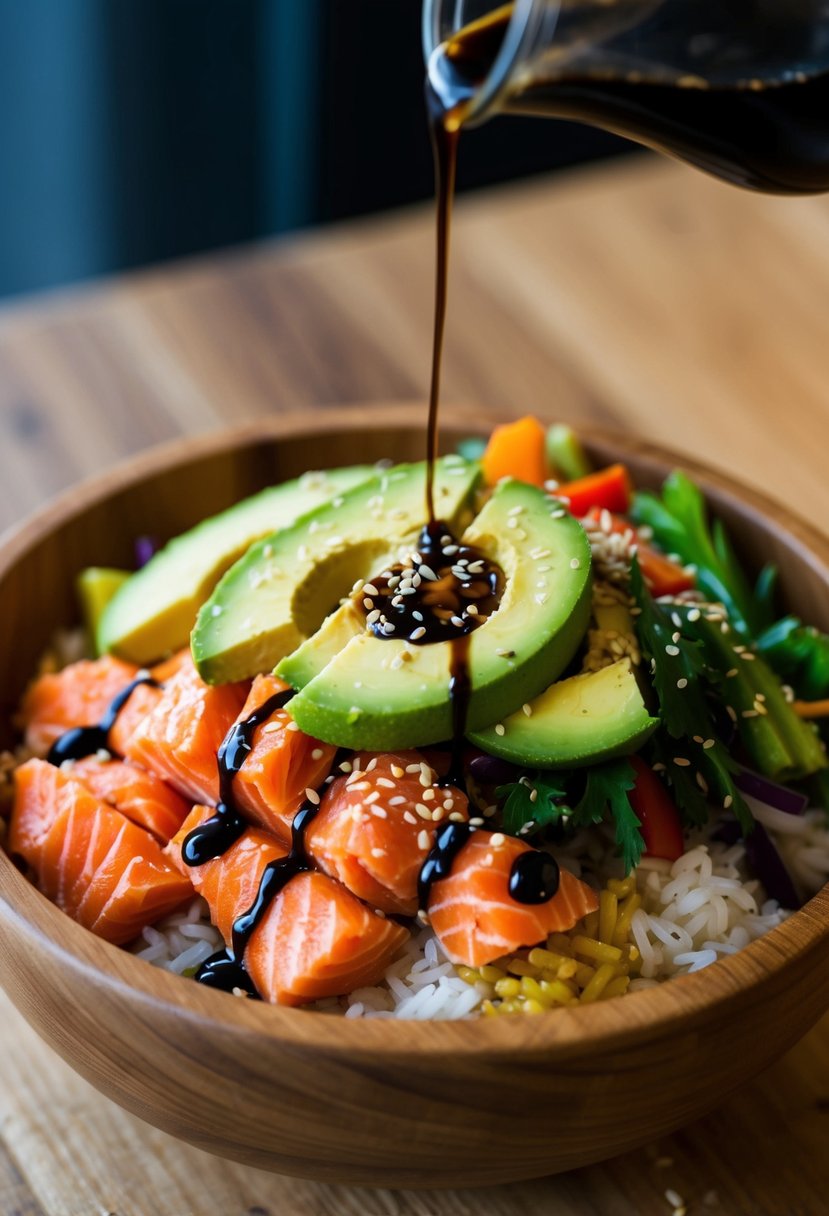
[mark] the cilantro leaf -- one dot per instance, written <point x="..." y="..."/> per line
<point x="606" y="787"/>
<point x="535" y="800"/>
<point x="682" y="679"/>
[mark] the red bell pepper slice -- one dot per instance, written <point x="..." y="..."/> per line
<point x="657" y="814"/>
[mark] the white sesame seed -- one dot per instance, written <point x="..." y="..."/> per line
<point x="683" y="683"/>
<point x="312" y="796"/>
<point x="317" y="753"/>
<point x="727" y="801"/>
<point x="378" y="852"/>
<point x="386" y="783"/>
<point x="424" y="840"/>
<point x="574" y="563"/>
<point x="417" y="633"/>
<point x="681" y="761"/>
<point x="672" y="650"/>
<point x="397" y="771"/>
<point x="423" y="811"/>
<point x="497" y="839"/>
<point x="500" y="729"/>
<point x="527" y="709"/>
<point x="409" y="817"/>
<point x="709" y="743"/>
<point x="429" y="795"/>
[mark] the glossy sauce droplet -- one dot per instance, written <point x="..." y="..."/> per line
<point x="83" y="741"/>
<point x="534" y="878"/>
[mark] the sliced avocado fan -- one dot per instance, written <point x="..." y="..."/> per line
<point x="152" y="613"/>
<point x="281" y="590"/>
<point x="594" y="716"/>
<point x="361" y="691"/>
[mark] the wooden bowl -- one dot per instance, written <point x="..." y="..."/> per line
<point x="381" y="1102"/>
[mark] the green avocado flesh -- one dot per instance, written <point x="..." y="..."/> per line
<point x="281" y="590"/>
<point x="96" y="586"/>
<point x="153" y="612"/>
<point x="383" y="694"/>
<point x="587" y="718"/>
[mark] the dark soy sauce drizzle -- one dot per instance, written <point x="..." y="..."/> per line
<point x="226" y="969"/>
<point x="83" y="741"/>
<point x="218" y="833"/>
<point x="534" y="878"/>
<point x="441" y="593"/>
<point x="448" y="843"/>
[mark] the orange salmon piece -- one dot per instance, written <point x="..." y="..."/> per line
<point x="476" y="918"/>
<point x="180" y="736"/>
<point x="105" y="872"/>
<point x="316" y="939"/>
<point x="137" y="793"/>
<point x="141" y="700"/>
<point x="79" y="695"/>
<point x="282" y="764"/>
<point x="370" y="834"/>
<point x="229" y="883"/>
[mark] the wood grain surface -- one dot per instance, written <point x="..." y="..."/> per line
<point x="647" y="298"/>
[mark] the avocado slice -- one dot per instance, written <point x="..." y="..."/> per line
<point x="385" y="693"/>
<point x="96" y="585"/>
<point x="153" y="612"/>
<point x="279" y="592"/>
<point x="587" y="718"/>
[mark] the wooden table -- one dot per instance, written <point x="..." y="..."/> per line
<point x="644" y="297"/>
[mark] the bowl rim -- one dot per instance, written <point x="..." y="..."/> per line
<point x="647" y="1014"/>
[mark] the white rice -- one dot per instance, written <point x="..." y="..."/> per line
<point x="694" y="911"/>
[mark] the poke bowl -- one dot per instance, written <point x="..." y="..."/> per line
<point x="383" y="1100"/>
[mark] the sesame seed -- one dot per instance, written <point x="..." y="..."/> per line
<point x="428" y="573"/>
<point x="417" y="633"/>
<point x="750" y="713"/>
<point x="373" y="616"/>
<point x="312" y="796"/>
<point x="500" y="729"/>
<point x="727" y="801"/>
<point x="437" y="814"/>
<point x="497" y="839"/>
<point x="533" y="795"/>
<point x="733" y="672"/>
<point x="674" y="1199"/>
<point x="457" y="622"/>
<point x="683" y="683"/>
<point x="370" y="589"/>
<point x="398" y="800"/>
<point x="317" y="753"/>
<point x="291" y="725"/>
<point x="574" y="563"/>
<point x="456" y="817"/>
<point x="694" y="614"/>
<point x="409" y="817"/>
<point x="429" y="795"/>
<point x="477" y="822"/>
<point x="681" y="762"/>
<point x="708" y="744"/>
<point x="386" y="783"/>
<point x="396" y="663"/>
<point x="732" y="713"/>
<point x="424" y="840"/>
<point x="378" y="852"/>
<point x="397" y="771"/>
<point x="519" y="510"/>
<point x="527" y="709"/>
<point x="423" y="811"/>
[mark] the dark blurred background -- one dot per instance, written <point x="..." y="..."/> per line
<point x="133" y="131"/>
